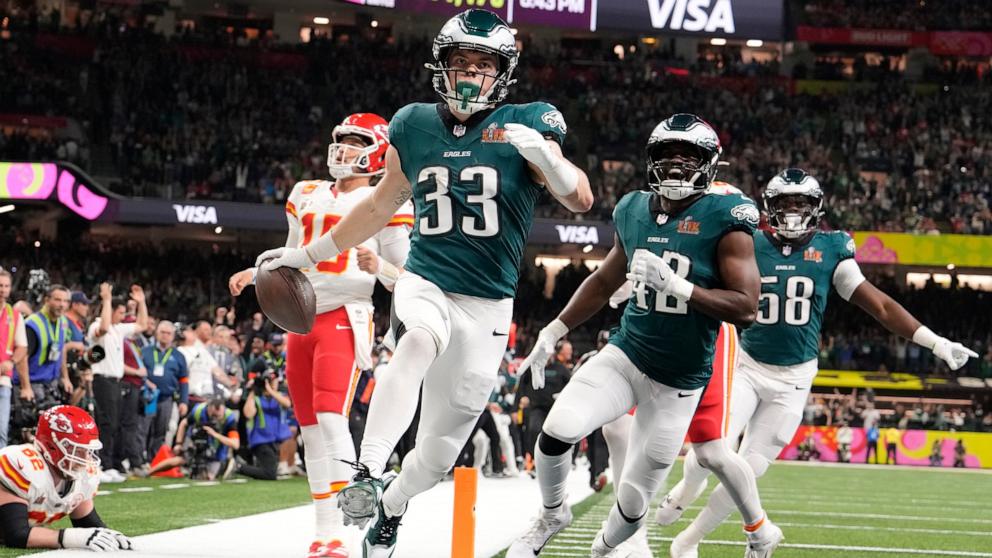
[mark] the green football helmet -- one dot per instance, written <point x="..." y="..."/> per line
<point x="481" y="31"/>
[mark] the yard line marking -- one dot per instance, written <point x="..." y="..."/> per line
<point x="554" y="549"/>
<point x="585" y="528"/>
<point x="136" y="489"/>
<point x="174" y="486"/>
<point x="104" y="492"/>
<point x="777" y="511"/>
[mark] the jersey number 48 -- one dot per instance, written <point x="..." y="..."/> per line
<point x="681" y="265"/>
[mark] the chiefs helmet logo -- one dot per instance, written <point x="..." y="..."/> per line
<point x="382" y="130"/>
<point x="59" y="423"/>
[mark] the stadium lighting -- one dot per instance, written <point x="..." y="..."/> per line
<point x="6" y="208"/>
<point x="587" y="248"/>
<point x="321" y="20"/>
<point x="649" y="40"/>
<point x="218" y="230"/>
<point x="754" y="43"/>
<point x="375" y="23"/>
<point x="950" y="267"/>
<point x="37" y="244"/>
<point x="718" y="41"/>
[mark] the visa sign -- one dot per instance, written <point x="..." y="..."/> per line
<point x="577" y="234"/>
<point x="195" y="214"/>
<point x="692" y="15"/>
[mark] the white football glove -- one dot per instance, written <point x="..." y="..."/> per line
<point x="542" y="351"/>
<point x="284" y="257"/>
<point x="648" y="268"/>
<point x="97" y="539"/>
<point x="531" y="145"/>
<point x="954" y="354"/>
<point x="622" y="294"/>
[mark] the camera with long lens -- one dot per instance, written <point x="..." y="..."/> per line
<point x="80" y="361"/>
<point x="258" y="386"/>
<point x="202" y="451"/>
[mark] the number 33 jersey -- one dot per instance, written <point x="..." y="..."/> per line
<point x="666" y="339"/>
<point x="25" y="474"/>
<point x="796" y="281"/>
<point x="313" y="209"/>
<point x="473" y="192"/>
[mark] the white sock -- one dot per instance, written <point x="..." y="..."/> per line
<point x="552" y="474"/>
<point x="618" y="529"/>
<point x="735" y="475"/>
<point x="326" y="513"/>
<point x="719" y="507"/>
<point x="394" y="400"/>
<point x="694" y="480"/>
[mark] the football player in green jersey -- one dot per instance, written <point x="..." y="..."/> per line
<point x="799" y="267"/>
<point x="475" y="168"/>
<point x="691" y="258"/>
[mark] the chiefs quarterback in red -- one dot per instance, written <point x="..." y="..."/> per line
<point x="53" y="477"/>
<point x="322" y="367"/>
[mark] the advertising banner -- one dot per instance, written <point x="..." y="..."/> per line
<point x="898" y="381"/>
<point x="914" y="447"/>
<point x="909" y="249"/>
<point x="947" y="43"/>
<point x="42" y="181"/>
<point x="744" y="19"/>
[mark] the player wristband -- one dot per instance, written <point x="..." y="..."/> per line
<point x="254" y="274"/>
<point x="681" y="288"/>
<point x="388" y="273"/>
<point x="556" y="328"/>
<point x="925" y="337"/>
<point x="563" y="179"/>
<point x="322" y="249"/>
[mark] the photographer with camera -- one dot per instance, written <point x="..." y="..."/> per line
<point x="13" y="352"/>
<point x="200" y="446"/>
<point x="48" y="372"/>
<point x="168" y="371"/>
<point x="109" y="331"/>
<point x="78" y="312"/>
<point x="265" y="411"/>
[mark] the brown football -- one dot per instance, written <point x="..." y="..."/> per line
<point x="287" y="298"/>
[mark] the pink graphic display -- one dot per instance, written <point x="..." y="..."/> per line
<point x="37" y="181"/>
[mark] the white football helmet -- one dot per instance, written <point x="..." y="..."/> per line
<point x="683" y="152"/>
<point x="482" y="31"/>
<point x="789" y="216"/>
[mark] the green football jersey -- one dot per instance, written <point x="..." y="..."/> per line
<point x="473" y="193"/>
<point x="795" y="284"/>
<point x="666" y="339"/>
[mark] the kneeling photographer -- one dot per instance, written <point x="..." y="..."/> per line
<point x="200" y="446"/>
<point x="265" y="411"/>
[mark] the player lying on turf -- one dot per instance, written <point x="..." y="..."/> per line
<point x="690" y="256"/>
<point x="322" y="366"/>
<point x="476" y="169"/>
<point x="799" y="267"/>
<point x="55" y="476"/>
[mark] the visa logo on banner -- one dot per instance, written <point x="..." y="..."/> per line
<point x="196" y="214"/>
<point x="692" y="15"/>
<point x="577" y="234"/>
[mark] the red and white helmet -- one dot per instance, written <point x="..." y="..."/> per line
<point x="343" y="159"/>
<point x="68" y="439"/>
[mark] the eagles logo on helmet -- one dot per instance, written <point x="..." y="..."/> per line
<point x="480" y="31"/>
<point x="793" y="201"/>
<point x="370" y="160"/>
<point x="683" y="153"/>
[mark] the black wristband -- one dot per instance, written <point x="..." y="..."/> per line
<point x="89" y="520"/>
<point x="61" y="532"/>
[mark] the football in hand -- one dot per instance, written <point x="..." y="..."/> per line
<point x="287" y="298"/>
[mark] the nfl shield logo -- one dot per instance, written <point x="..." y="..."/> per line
<point x="458" y="131"/>
<point x="662" y="219"/>
<point x="786" y="250"/>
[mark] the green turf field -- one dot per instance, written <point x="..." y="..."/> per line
<point x="162" y="509"/>
<point x="828" y="511"/>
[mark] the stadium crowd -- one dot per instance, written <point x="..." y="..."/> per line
<point x="890" y="158"/>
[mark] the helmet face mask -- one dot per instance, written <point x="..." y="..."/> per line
<point x="473" y="36"/>
<point x="682" y="156"/>
<point x="793" y="201"/>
